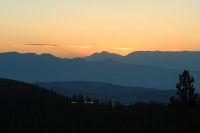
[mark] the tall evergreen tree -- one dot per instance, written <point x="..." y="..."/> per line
<point x="184" y="107"/>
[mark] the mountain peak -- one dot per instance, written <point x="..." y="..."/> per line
<point x="47" y="55"/>
<point x="104" y="52"/>
<point x="102" y="56"/>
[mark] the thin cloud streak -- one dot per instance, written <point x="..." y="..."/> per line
<point x="123" y="48"/>
<point x="49" y="45"/>
<point x="79" y="46"/>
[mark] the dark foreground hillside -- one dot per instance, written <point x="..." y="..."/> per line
<point x="30" y="109"/>
<point x="26" y="108"/>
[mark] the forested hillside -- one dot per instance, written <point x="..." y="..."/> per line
<point x="26" y="108"/>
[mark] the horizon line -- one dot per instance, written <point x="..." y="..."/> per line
<point x="96" y="53"/>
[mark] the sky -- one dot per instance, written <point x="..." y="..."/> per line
<point x="78" y="28"/>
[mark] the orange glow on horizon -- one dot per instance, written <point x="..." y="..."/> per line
<point x="77" y="51"/>
<point x="70" y="29"/>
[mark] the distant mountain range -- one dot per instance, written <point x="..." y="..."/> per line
<point x="105" y="91"/>
<point x="176" y="60"/>
<point x="30" y="67"/>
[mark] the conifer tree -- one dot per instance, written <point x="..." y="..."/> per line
<point x="184" y="107"/>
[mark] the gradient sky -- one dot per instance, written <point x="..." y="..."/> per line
<point x="77" y="28"/>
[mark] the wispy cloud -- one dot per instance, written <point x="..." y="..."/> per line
<point x="54" y="45"/>
<point x="123" y="48"/>
<point x="79" y="46"/>
<point x="49" y="45"/>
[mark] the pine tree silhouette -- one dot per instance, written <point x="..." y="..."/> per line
<point x="184" y="107"/>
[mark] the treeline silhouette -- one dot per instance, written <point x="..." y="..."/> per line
<point x="27" y="108"/>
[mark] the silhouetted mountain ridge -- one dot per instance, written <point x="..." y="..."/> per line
<point x="47" y="68"/>
<point x="189" y="60"/>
